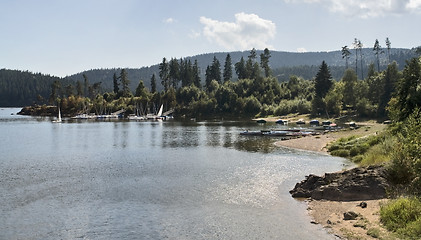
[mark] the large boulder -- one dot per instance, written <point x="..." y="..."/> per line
<point x="362" y="183"/>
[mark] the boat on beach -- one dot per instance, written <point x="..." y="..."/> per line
<point x="282" y="122"/>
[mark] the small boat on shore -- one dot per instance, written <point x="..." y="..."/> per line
<point x="314" y="122"/>
<point x="300" y="122"/>
<point x="282" y="122"/>
<point x="261" y="121"/>
<point x="326" y="123"/>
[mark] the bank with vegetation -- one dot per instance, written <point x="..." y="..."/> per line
<point x="398" y="149"/>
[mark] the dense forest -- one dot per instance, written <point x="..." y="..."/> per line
<point x="247" y="87"/>
<point x="19" y="88"/>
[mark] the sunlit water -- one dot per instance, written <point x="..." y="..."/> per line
<point x="150" y="180"/>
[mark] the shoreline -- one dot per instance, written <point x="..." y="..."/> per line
<point x="329" y="214"/>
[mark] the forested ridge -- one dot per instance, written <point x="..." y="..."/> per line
<point x="18" y="88"/>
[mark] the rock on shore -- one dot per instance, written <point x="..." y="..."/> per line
<point x="362" y="183"/>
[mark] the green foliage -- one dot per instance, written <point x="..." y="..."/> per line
<point x="374" y="232"/>
<point x="403" y="216"/>
<point x="374" y="149"/>
<point x="323" y="81"/>
<point x="350" y="81"/>
<point x="405" y="167"/>
<point x="408" y="94"/>
<point x="340" y="153"/>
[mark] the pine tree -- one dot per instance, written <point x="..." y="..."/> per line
<point x="86" y="85"/>
<point x="208" y="75"/>
<point x="164" y="73"/>
<point x="388" y="45"/>
<point x="215" y="70"/>
<point x="116" y="89"/>
<point x="345" y="54"/>
<point x="141" y="91"/>
<point x="227" y="69"/>
<point x="174" y="72"/>
<point x="125" y="83"/>
<point x="323" y="81"/>
<point x="79" y="89"/>
<point x="264" y="62"/>
<point x="153" y="83"/>
<point x="240" y="69"/>
<point x="196" y="74"/>
<point x="388" y="88"/>
<point x="377" y="51"/>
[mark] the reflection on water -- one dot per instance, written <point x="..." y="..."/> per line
<point x="215" y="134"/>
<point x="150" y="180"/>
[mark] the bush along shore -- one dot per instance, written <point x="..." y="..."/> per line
<point x="387" y="180"/>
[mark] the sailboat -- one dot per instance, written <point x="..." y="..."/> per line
<point x="157" y="116"/>
<point x="58" y="120"/>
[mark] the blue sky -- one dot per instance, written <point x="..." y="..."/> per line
<point x="63" y="37"/>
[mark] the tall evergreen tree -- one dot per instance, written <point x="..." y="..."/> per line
<point x="227" y="68"/>
<point x="240" y="69"/>
<point x="153" y="83"/>
<point x="355" y="43"/>
<point x="345" y="54"/>
<point x="141" y="91"/>
<point x="323" y="81"/>
<point x="196" y="74"/>
<point x="164" y="73"/>
<point x="377" y="51"/>
<point x="174" y="72"/>
<point x="208" y="76"/>
<point x="350" y="81"/>
<point x="409" y="90"/>
<point x="79" y="89"/>
<point x="55" y="91"/>
<point x="125" y="83"/>
<point x="388" y="45"/>
<point x="264" y="62"/>
<point x="85" y="84"/>
<point x="215" y="70"/>
<point x="388" y="88"/>
<point x="360" y="48"/>
<point x="116" y="89"/>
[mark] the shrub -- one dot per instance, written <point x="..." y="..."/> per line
<point x="340" y="153"/>
<point x="406" y="160"/>
<point x="355" y="150"/>
<point x="403" y="216"/>
<point x="374" y="232"/>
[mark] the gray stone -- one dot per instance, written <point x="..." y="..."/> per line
<point x="363" y="183"/>
<point x="350" y="215"/>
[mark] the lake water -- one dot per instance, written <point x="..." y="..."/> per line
<point x="150" y="180"/>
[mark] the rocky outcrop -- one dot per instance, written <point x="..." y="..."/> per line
<point x="39" y="110"/>
<point x="363" y="183"/>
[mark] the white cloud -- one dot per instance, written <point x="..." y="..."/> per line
<point x="301" y="50"/>
<point x="169" y="20"/>
<point x="248" y="31"/>
<point x="367" y="8"/>
<point x="194" y="34"/>
<point x="414" y="5"/>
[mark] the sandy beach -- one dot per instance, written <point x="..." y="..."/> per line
<point x="330" y="214"/>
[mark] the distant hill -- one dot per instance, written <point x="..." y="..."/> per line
<point x="18" y="88"/>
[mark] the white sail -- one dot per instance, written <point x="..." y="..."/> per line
<point x="58" y="120"/>
<point x="59" y="115"/>
<point x="160" y="110"/>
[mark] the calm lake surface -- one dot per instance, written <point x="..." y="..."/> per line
<point x="150" y="180"/>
